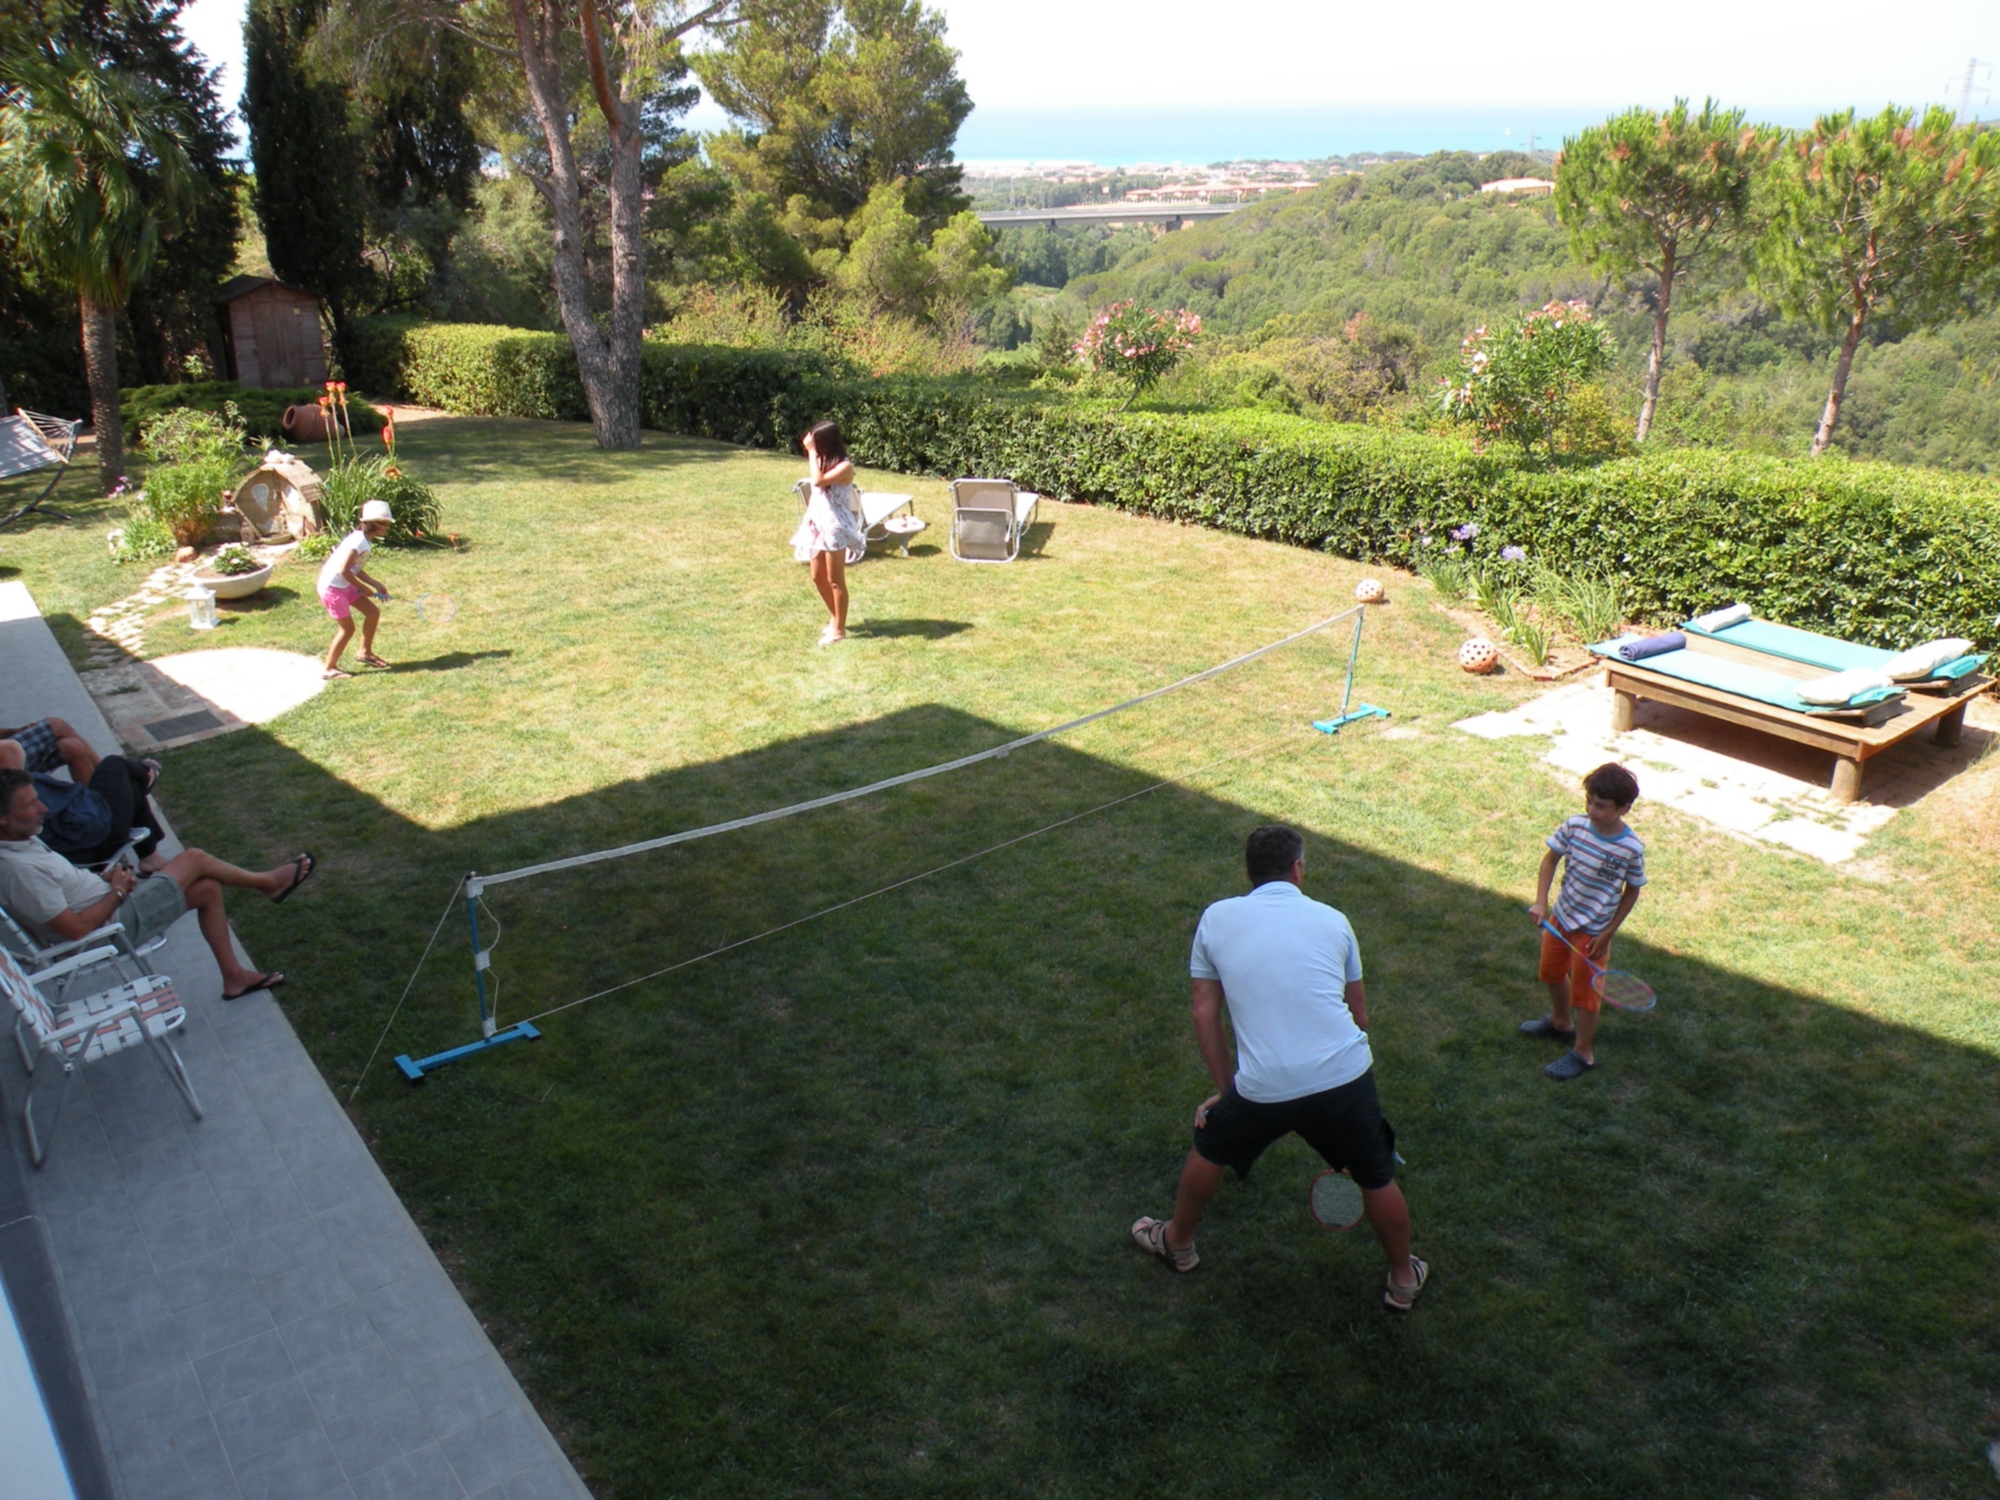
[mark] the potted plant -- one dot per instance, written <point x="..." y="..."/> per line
<point x="233" y="573"/>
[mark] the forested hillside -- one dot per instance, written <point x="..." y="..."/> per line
<point x="1428" y="258"/>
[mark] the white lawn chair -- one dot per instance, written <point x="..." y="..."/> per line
<point x="34" y="957"/>
<point x="876" y="509"/>
<point x="989" y="517"/>
<point x="30" y="442"/>
<point x="139" y="1012"/>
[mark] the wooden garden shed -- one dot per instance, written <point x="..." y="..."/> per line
<point x="270" y="333"/>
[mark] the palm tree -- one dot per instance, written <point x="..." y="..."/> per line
<point x="79" y="146"/>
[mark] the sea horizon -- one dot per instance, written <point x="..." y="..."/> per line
<point x="1198" y="135"/>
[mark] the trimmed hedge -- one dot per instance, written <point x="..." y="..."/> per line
<point x="1867" y="551"/>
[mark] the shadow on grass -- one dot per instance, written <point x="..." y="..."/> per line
<point x="929" y="630"/>
<point x="563" y="451"/>
<point x="851" y="1202"/>
<point x="450" y="661"/>
<point x="269" y="597"/>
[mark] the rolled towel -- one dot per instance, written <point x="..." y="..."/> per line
<point x="1842" y="688"/>
<point x="1722" y="619"/>
<point x="1653" y="645"/>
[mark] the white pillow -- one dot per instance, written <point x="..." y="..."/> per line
<point x="1919" y="662"/>
<point x="1842" y="687"/>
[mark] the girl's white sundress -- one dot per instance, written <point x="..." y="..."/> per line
<point x="831" y="524"/>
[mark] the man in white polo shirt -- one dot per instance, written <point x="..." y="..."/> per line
<point x="1289" y="970"/>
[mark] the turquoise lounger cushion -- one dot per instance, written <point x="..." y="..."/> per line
<point x="1803" y="646"/>
<point x="1739" y="678"/>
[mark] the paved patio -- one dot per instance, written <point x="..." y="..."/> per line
<point x="253" y="1313"/>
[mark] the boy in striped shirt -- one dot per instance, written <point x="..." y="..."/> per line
<point x="1604" y="865"/>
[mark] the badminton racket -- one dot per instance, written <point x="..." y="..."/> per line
<point x="1613" y="986"/>
<point x="432" y="609"/>
<point x="1335" y="1200"/>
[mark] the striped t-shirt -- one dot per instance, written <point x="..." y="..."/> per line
<point x="1596" y="871"/>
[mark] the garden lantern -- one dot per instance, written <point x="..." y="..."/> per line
<point x="201" y="608"/>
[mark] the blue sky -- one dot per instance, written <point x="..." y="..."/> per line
<point x="1774" y="57"/>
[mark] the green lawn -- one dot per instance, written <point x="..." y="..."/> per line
<point x="843" y="1212"/>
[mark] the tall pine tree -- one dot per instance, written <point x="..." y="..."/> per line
<point x="309" y="192"/>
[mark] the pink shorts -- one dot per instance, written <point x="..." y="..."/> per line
<point x="339" y="600"/>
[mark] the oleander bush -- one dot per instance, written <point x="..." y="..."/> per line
<point x="1882" y="554"/>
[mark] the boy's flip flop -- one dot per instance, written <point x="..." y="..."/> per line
<point x="371" y="660"/>
<point x="334" y="674"/>
<point x="301" y="868"/>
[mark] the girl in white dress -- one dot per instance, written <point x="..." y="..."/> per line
<point x="830" y="536"/>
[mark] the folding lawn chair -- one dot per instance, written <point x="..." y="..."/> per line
<point x="876" y="511"/>
<point x="29" y="443"/>
<point x="989" y="517"/>
<point x="35" y="957"/>
<point x="139" y="1012"/>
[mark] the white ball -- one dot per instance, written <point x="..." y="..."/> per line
<point x="1478" y="656"/>
<point x="1369" y="591"/>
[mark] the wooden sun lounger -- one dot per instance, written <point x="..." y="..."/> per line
<point x="1852" y="742"/>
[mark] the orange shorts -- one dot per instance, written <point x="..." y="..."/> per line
<point x="1559" y="959"/>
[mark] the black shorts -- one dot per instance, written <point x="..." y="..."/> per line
<point x="1344" y="1125"/>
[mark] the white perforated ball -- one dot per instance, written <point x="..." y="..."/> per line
<point x="1370" y="591"/>
<point x="1478" y="656"/>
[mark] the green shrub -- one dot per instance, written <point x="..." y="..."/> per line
<point x="142" y="539"/>
<point x="1879" y="554"/>
<point x="317" y="547"/>
<point x="186" y="498"/>
<point x="188" y="434"/>
<point x="346" y="485"/>
<point x="261" y="412"/>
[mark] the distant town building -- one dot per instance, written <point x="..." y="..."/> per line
<point x="1534" y="187"/>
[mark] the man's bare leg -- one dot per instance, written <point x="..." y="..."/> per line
<point x="1389" y="1216"/>
<point x="193" y="865"/>
<point x="1200" y="1177"/>
<point x="204" y="898"/>
<point x="75" y="751"/>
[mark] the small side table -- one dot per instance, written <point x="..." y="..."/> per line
<point x="900" y="531"/>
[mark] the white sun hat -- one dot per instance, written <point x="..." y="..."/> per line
<point x="375" y="510"/>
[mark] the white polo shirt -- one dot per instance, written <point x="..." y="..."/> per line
<point x="1284" y="961"/>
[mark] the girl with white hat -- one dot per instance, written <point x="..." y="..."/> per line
<point x="344" y="588"/>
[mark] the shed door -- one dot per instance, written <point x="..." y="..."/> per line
<point x="280" y="354"/>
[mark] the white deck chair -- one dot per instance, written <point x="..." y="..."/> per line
<point x="875" y="510"/>
<point x="30" y="442"/>
<point x="34" y="957"/>
<point x="989" y="517"/>
<point x="141" y="1012"/>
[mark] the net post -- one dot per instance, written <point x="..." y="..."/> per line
<point x="1346" y="715"/>
<point x="490" y="1035"/>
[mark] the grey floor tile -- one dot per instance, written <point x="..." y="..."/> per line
<point x="108" y="1216"/>
<point x="371" y="1437"/>
<point x="243" y="1369"/>
<point x="369" y="1264"/>
<point x="427" y="1349"/>
<point x="314" y="1150"/>
<point x="331" y="1187"/>
<point x="352" y="1382"/>
<point x="547" y="1480"/>
<point x="254" y="1207"/>
<point x="222" y="1274"/>
<point x="415" y="1298"/>
<point x="423" y="1475"/>
<point x="164" y="1162"/>
<point x="103" y="1264"/>
<point x="212" y="1326"/>
<point x="128" y="1334"/>
<point x="460" y="1397"/>
<point x="198" y="1235"/>
<point x="131" y="1131"/>
<point x="309" y="1285"/>
<point x="189" y="1461"/>
<point x="303" y="1469"/>
<point x="284" y="1247"/>
<point x="258" y="1423"/>
<point x="152" y="1410"/>
<point x="329" y="1334"/>
<point x="494" y="1449"/>
<point x="159" y="1201"/>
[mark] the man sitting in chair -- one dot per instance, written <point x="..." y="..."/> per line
<point x="57" y="901"/>
<point x="47" y="744"/>
<point x="90" y="820"/>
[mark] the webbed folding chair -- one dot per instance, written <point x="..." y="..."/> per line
<point x="35" y="957"/>
<point x="989" y="517"/>
<point x="140" y="1012"/>
<point x="29" y="443"/>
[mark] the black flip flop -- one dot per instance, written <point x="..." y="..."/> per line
<point x="301" y="867"/>
<point x="263" y="982"/>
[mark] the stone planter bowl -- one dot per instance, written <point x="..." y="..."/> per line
<point x="233" y="585"/>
